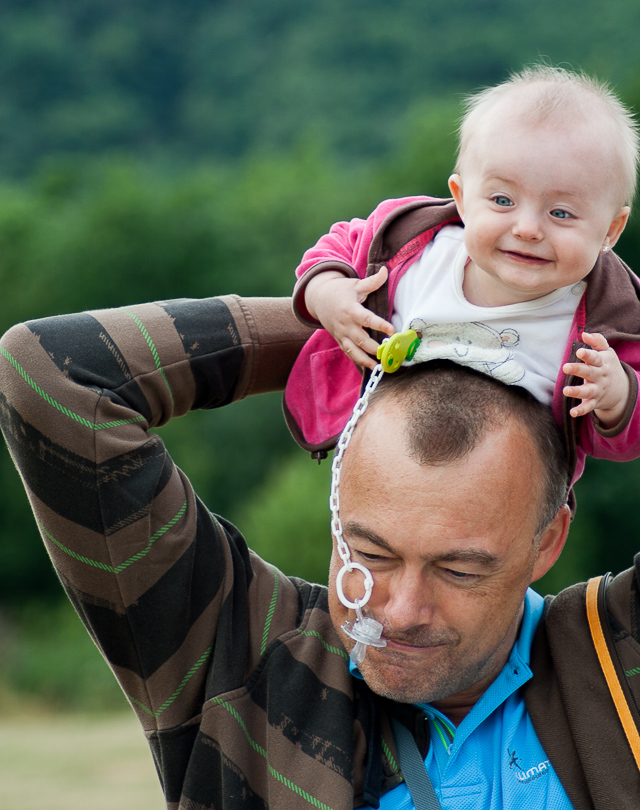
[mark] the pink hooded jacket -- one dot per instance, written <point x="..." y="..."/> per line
<point x="324" y="384"/>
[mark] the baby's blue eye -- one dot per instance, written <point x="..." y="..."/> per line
<point x="502" y="200"/>
<point x="558" y="213"/>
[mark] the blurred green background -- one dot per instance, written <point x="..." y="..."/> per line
<point x="173" y="148"/>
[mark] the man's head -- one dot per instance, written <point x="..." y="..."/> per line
<point x="545" y="176"/>
<point x="452" y="494"/>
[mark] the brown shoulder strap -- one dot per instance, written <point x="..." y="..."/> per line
<point x="609" y="670"/>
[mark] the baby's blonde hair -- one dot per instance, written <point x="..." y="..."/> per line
<point x="555" y="93"/>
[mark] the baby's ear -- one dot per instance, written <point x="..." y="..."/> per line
<point x="617" y="226"/>
<point x="455" y="187"/>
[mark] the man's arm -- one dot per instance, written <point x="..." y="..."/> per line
<point x="144" y="562"/>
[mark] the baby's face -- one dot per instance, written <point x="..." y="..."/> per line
<point x="539" y="204"/>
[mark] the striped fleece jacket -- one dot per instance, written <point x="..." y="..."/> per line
<point x="234" y="670"/>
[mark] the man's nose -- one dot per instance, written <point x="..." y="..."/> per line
<point x="409" y="602"/>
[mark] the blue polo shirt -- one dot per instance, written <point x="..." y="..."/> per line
<point x="494" y="757"/>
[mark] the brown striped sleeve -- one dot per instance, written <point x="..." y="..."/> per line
<point x="149" y="569"/>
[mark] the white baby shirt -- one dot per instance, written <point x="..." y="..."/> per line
<point x="521" y="344"/>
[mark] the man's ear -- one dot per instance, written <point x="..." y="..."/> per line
<point x="552" y="542"/>
<point x="455" y="187"/>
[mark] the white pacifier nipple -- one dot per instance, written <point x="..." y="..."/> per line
<point x="364" y="630"/>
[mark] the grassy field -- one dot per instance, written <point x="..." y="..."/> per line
<point x="76" y="762"/>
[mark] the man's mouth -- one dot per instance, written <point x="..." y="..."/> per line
<point x="408" y="646"/>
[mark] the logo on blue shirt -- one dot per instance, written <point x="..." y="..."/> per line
<point x="532" y="773"/>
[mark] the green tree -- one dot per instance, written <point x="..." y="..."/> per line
<point x="287" y="520"/>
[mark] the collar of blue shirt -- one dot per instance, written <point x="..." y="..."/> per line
<point x="494" y="756"/>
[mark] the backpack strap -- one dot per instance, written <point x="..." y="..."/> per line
<point x="595" y="604"/>
<point x="413" y="768"/>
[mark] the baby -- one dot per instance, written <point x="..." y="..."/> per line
<point x="515" y="277"/>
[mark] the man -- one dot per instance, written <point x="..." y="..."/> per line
<point x="238" y="674"/>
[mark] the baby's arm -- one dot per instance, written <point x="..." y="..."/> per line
<point x="336" y="301"/>
<point x="605" y="389"/>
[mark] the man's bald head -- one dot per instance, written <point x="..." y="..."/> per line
<point x="448" y="410"/>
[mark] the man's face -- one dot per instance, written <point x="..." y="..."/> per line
<point x="452" y="550"/>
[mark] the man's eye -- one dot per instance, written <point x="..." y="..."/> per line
<point x="369" y="558"/>
<point x="502" y="200"/>
<point x="560" y="213"/>
<point x="462" y="575"/>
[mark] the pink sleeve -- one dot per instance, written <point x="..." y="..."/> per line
<point x="340" y="246"/>
<point x="344" y="248"/>
<point x="622" y="442"/>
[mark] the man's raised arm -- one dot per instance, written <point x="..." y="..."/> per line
<point x="144" y="562"/>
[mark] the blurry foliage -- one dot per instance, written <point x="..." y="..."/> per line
<point x="171" y="80"/>
<point x="84" y="234"/>
<point x="46" y="655"/>
<point x="287" y="521"/>
<point x="605" y="534"/>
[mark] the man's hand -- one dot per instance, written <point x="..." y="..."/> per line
<point x="336" y="301"/>
<point x="605" y="389"/>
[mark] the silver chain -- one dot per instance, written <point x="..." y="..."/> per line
<point x="334" y="499"/>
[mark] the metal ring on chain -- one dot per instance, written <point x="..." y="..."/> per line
<point x="368" y="585"/>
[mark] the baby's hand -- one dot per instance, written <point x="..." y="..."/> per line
<point x="336" y="301"/>
<point x="605" y="389"/>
